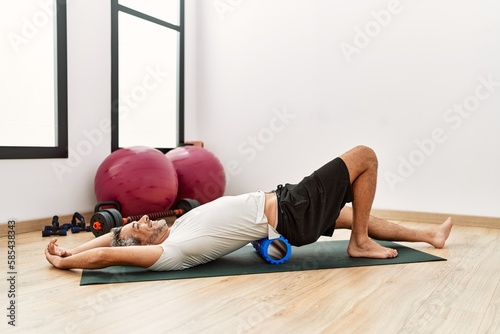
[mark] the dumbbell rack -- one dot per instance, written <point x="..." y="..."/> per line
<point x="77" y="225"/>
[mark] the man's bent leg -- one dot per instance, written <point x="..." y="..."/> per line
<point x="362" y="164"/>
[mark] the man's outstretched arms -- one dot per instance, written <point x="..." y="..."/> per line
<point x="101" y="241"/>
<point x="97" y="253"/>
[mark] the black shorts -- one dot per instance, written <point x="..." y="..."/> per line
<point x="310" y="209"/>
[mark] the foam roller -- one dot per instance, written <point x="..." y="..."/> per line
<point x="274" y="251"/>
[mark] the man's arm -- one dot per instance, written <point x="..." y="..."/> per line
<point x="101" y="241"/>
<point x="101" y="257"/>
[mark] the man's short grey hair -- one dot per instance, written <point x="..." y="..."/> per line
<point x="116" y="241"/>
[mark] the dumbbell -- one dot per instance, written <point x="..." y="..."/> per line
<point x="102" y="221"/>
<point x="76" y="227"/>
<point x="54" y="228"/>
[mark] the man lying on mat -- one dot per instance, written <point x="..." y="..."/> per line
<point x="301" y="213"/>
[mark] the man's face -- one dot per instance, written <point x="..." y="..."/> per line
<point x="149" y="232"/>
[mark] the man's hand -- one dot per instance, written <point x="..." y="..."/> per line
<point x="54" y="249"/>
<point x="102" y="257"/>
<point x="54" y="260"/>
<point x="54" y="253"/>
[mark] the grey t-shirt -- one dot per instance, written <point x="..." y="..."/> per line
<point x="213" y="230"/>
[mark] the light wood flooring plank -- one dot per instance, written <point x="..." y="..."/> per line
<point x="461" y="295"/>
<point x="468" y="287"/>
<point x="491" y="319"/>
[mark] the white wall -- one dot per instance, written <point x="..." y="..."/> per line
<point x="32" y="189"/>
<point x="390" y="90"/>
<point x="272" y="95"/>
<point x="42" y="188"/>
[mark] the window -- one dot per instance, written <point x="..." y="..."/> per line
<point x="147" y="73"/>
<point x="33" y="119"/>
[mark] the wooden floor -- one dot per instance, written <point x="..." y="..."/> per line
<point x="461" y="295"/>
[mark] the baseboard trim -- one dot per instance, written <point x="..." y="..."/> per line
<point x="39" y="224"/>
<point x="421" y="217"/>
<point x="437" y="218"/>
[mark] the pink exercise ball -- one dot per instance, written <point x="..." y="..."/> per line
<point x="201" y="175"/>
<point x="139" y="178"/>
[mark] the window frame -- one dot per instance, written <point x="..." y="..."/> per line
<point x="60" y="150"/>
<point x="116" y="8"/>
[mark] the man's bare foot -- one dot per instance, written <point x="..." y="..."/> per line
<point x="370" y="249"/>
<point x="441" y="233"/>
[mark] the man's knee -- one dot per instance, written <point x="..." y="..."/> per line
<point x="359" y="160"/>
<point x="367" y="155"/>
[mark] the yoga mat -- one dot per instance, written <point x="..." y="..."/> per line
<point x="319" y="255"/>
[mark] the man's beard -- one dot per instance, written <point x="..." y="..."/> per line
<point x="156" y="233"/>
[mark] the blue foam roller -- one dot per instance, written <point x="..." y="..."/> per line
<point x="280" y="249"/>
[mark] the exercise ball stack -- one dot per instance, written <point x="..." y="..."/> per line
<point x="139" y="178"/>
<point x="200" y="174"/>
